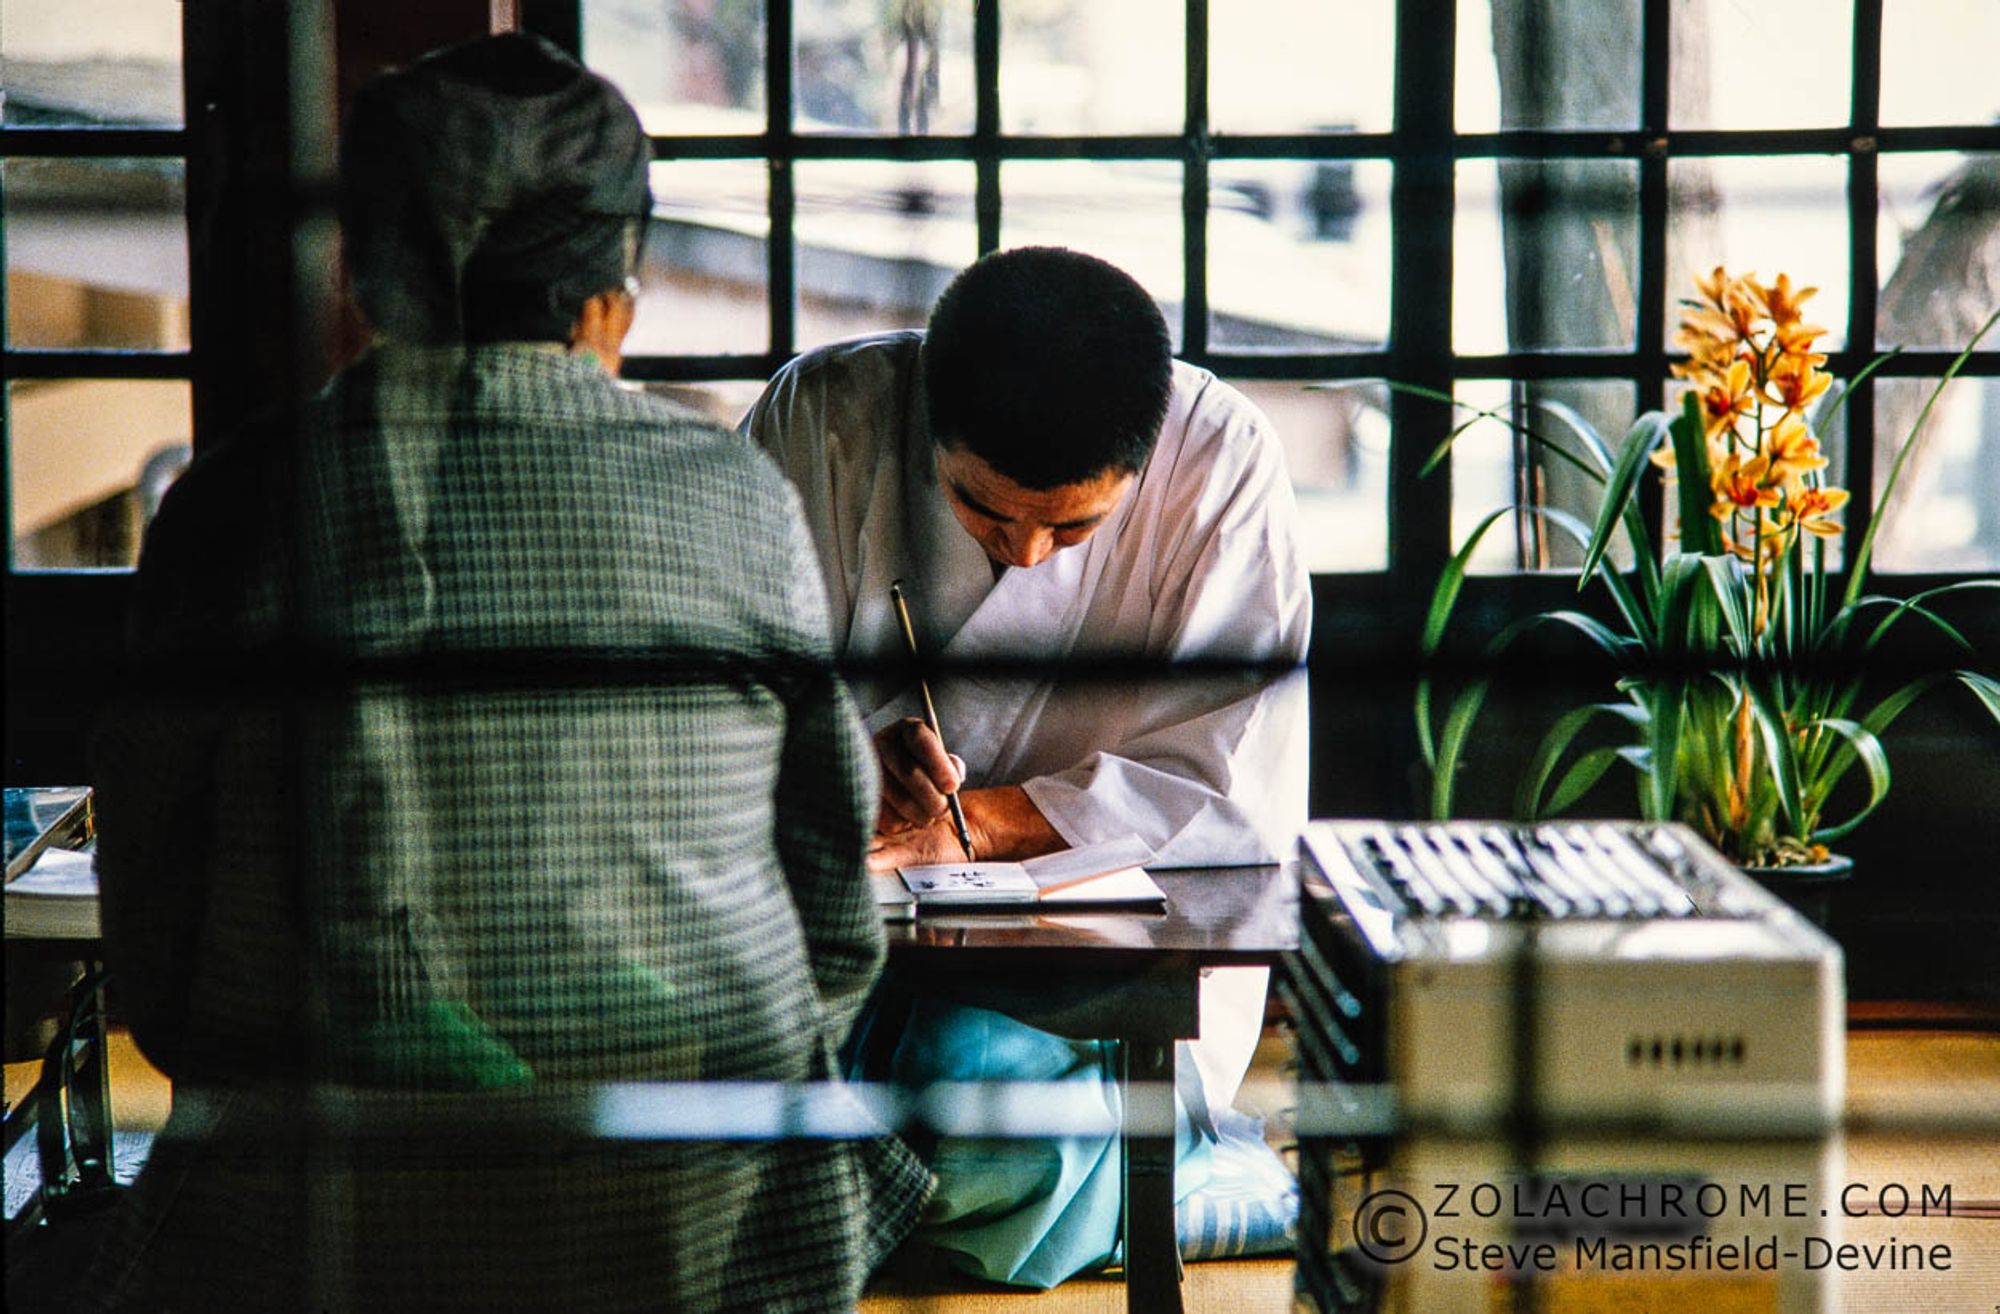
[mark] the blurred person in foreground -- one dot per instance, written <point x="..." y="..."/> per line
<point x="1102" y="543"/>
<point x="490" y="750"/>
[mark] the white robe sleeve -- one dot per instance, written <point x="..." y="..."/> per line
<point x="1210" y="767"/>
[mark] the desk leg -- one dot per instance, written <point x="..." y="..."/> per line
<point x="1152" y="1252"/>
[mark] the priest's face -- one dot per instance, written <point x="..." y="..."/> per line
<point x="1024" y="526"/>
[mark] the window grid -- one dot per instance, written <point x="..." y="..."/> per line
<point x="92" y="363"/>
<point x="1423" y="150"/>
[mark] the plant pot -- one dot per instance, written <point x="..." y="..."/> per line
<point x="1807" y="887"/>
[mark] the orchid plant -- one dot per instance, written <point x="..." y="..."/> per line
<point x="1742" y="668"/>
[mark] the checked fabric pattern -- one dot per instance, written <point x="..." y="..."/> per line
<point x="489" y="746"/>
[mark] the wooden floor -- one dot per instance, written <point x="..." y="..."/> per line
<point x="1907" y="1089"/>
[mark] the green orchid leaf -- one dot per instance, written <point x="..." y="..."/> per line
<point x="1691" y="473"/>
<point x="1667" y="712"/>
<point x="1628" y="603"/>
<point x="1618" y="491"/>
<point x="1984" y="688"/>
<point x="1593" y="442"/>
<point x="1867" y="750"/>
<point x="1858" y="569"/>
<point x="1586" y="771"/>
<point x="1451" y="746"/>
<point x="1444" y="597"/>
<point x="1914" y="603"/>
<point x="1727" y="583"/>
<point x="1879" y="718"/>
<point x="1781" y="752"/>
<point x="1528" y="798"/>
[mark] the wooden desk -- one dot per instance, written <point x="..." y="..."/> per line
<point x="1129" y="977"/>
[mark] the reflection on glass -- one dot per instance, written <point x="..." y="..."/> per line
<point x="889" y="66"/>
<point x="1764" y="215"/>
<point x="90" y="62"/>
<point x="1336" y="444"/>
<point x="1945" y="513"/>
<point x="1268" y="67"/>
<point x="1092" y="66"/>
<point x="96" y="253"/>
<point x="724" y="402"/>
<point x="687" y="66"/>
<point x="1529" y="64"/>
<point x="1545" y="255"/>
<point x="878" y="240"/>
<point x="704" y="284"/>
<point x="1937" y="62"/>
<point x="1495" y="464"/>
<point x="1127" y="213"/>
<point x="1298" y="254"/>
<point x="88" y="462"/>
<point x="1772" y="64"/>
<point x="1935" y="248"/>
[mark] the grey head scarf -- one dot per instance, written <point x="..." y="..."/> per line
<point x="487" y="191"/>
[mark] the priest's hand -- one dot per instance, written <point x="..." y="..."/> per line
<point x="1005" y="825"/>
<point x="917" y="774"/>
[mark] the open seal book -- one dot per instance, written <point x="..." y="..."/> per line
<point x="1111" y="874"/>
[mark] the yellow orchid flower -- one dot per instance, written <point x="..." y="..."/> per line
<point x="1810" y="508"/>
<point x="1741" y="486"/>
<point x="1722" y="403"/>
<point x="1795" y="383"/>
<point x="1779" y="301"/>
<point x="1792" y="449"/>
<point x="1795" y="342"/>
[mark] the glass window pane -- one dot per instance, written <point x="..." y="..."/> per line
<point x="1298" y="255"/>
<point x="688" y="66"/>
<point x="1092" y="66"/>
<point x="1268" y="67"/>
<point x="91" y="62"/>
<point x="1129" y="214"/>
<point x="1530" y="64"/>
<point x="1546" y="255"/>
<point x="1336" y="444"/>
<point x="1945" y="512"/>
<point x="878" y="240"/>
<point x="88" y="461"/>
<point x="1764" y="215"/>
<point x="899" y="67"/>
<point x="704" y="284"/>
<point x="96" y="253"/>
<point x="1935" y="248"/>
<point x="1494" y="464"/>
<point x="1772" y="64"/>
<point x="1937" y="62"/>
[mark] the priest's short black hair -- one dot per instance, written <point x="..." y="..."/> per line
<point x="1050" y="365"/>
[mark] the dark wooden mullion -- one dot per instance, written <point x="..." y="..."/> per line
<point x="1300" y="366"/>
<point x="1194" y="189"/>
<point x="781" y="251"/>
<point x="1655" y="95"/>
<point x="84" y="142"/>
<point x="985" y="140"/>
<point x="1420" y="242"/>
<point x="1863" y="181"/>
<point x="1352" y="146"/>
<point x="105" y="363"/>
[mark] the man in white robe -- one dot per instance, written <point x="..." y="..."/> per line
<point x="1054" y="490"/>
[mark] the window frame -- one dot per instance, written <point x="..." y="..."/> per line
<point x="1423" y="149"/>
